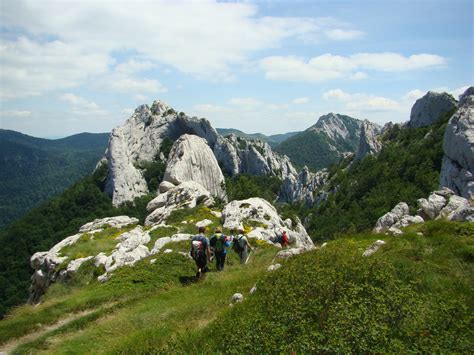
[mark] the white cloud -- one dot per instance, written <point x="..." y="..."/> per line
<point x="300" y="100"/>
<point x="245" y="102"/>
<point x="14" y="113"/>
<point x="29" y="68"/>
<point x="459" y="91"/>
<point x="341" y="34"/>
<point x="361" y="102"/>
<point x="203" y="38"/>
<point x="328" y="66"/>
<point x="140" y="98"/>
<point x="81" y="106"/>
<point x="137" y="85"/>
<point x="413" y="95"/>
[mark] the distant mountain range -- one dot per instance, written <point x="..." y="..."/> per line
<point x="317" y="147"/>
<point x="272" y="140"/>
<point x="32" y="170"/>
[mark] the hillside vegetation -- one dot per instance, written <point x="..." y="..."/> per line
<point x="406" y="169"/>
<point x="32" y="170"/>
<point x="413" y="295"/>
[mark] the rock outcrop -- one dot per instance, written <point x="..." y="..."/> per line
<point x="260" y="213"/>
<point x="369" y="142"/>
<point x="46" y="263"/>
<point x="139" y="140"/>
<point x="302" y="187"/>
<point x="186" y="195"/>
<point x="191" y="159"/>
<point x="457" y="170"/>
<point x="430" y="108"/>
<point x="440" y="204"/>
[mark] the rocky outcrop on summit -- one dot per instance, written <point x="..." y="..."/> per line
<point x="430" y="108"/>
<point x="369" y="142"/>
<point x="260" y="212"/>
<point x="302" y="188"/>
<point x="337" y="126"/>
<point x="457" y="170"/>
<point x="191" y="159"/>
<point x="186" y="195"/>
<point x="140" y="138"/>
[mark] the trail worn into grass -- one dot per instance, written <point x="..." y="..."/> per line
<point x="8" y="347"/>
<point x="150" y="323"/>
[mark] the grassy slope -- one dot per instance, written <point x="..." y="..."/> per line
<point x="415" y="294"/>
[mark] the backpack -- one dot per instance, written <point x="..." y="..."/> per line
<point x="238" y="246"/>
<point x="284" y="239"/>
<point x="197" y="249"/>
<point x="219" y="243"/>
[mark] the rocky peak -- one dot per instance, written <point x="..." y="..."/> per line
<point x="369" y="140"/>
<point x="337" y="126"/>
<point x="457" y="170"/>
<point x="191" y="159"/>
<point x="430" y="108"/>
<point x="139" y="140"/>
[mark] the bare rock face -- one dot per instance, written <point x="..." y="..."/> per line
<point x="239" y="155"/>
<point x="140" y="138"/>
<point x="457" y="170"/>
<point x="260" y="212"/>
<point x="115" y="222"/>
<point x="191" y="159"/>
<point x="430" y="108"/>
<point x="369" y="142"/>
<point x="302" y="187"/>
<point x="186" y="195"/>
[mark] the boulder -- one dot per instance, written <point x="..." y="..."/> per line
<point x="431" y="207"/>
<point x="464" y="214"/>
<point x="457" y="170"/>
<point x="455" y="203"/>
<point x="407" y="220"/>
<point x="186" y="195"/>
<point x="257" y="211"/>
<point x="431" y="108"/>
<point x="369" y="142"/>
<point x="373" y="248"/>
<point x="191" y="159"/>
<point x="203" y="223"/>
<point x="132" y="239"/>
<point x="288" y="253"/>
<point x="165" y="186"/>
<point x="161" y="242"/>
<point x="74" y="265"/>
<point x="115" y="222"/>
<point x="392" y="217"/>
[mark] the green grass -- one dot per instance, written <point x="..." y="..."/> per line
<point x="414" y="295"/>
<point x="166" y="303"/>
<point x="93" y="244"/>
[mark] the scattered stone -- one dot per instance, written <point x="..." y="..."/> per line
<point x="394" y="231"/>
<point x="237" y="297"/>
<point x="160" y="243"/>
<point x="392" y="217"/>
<point x="152" y="261"/>
<point x="373" y="248"/>
<point x="274" y="267"/>
<point x="217" y="214"/>
<point x="203" y="223"/>
<point x="167" y="251"/>
<point x="431" y="207"/>
<point x="253" y="289"/>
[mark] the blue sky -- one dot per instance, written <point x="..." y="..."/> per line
<point x="269" y="66"/>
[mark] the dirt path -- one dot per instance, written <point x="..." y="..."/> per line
<point x="12" y="344"/>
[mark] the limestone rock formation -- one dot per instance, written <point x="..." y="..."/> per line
<point x="457" y="170"/>
<point x="115" y="222"/>
<point x="430" y="108"/>
<point x="140" y="138"/>
<point x="369" y="142"/>
<point x="261" y="213"/>
<point x="440" y="204"/>
<point x="186" y="195"/>
<point x="373" y="248"/>
<point x="302" y="187"/>
<point x="191" y="159"/>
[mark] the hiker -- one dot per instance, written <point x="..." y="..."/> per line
<point x="281" y="238"/>
<point x="200" y="252"/>
<point x="219" y="244"/>
<point x="242" y="246"/>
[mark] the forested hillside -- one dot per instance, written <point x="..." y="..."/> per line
<point x="32" y="170"/>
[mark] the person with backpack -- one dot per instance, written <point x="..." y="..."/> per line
<point x="219" y="244"/>
<point x="242" y="246"/>
<point x="200" y="252"/>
